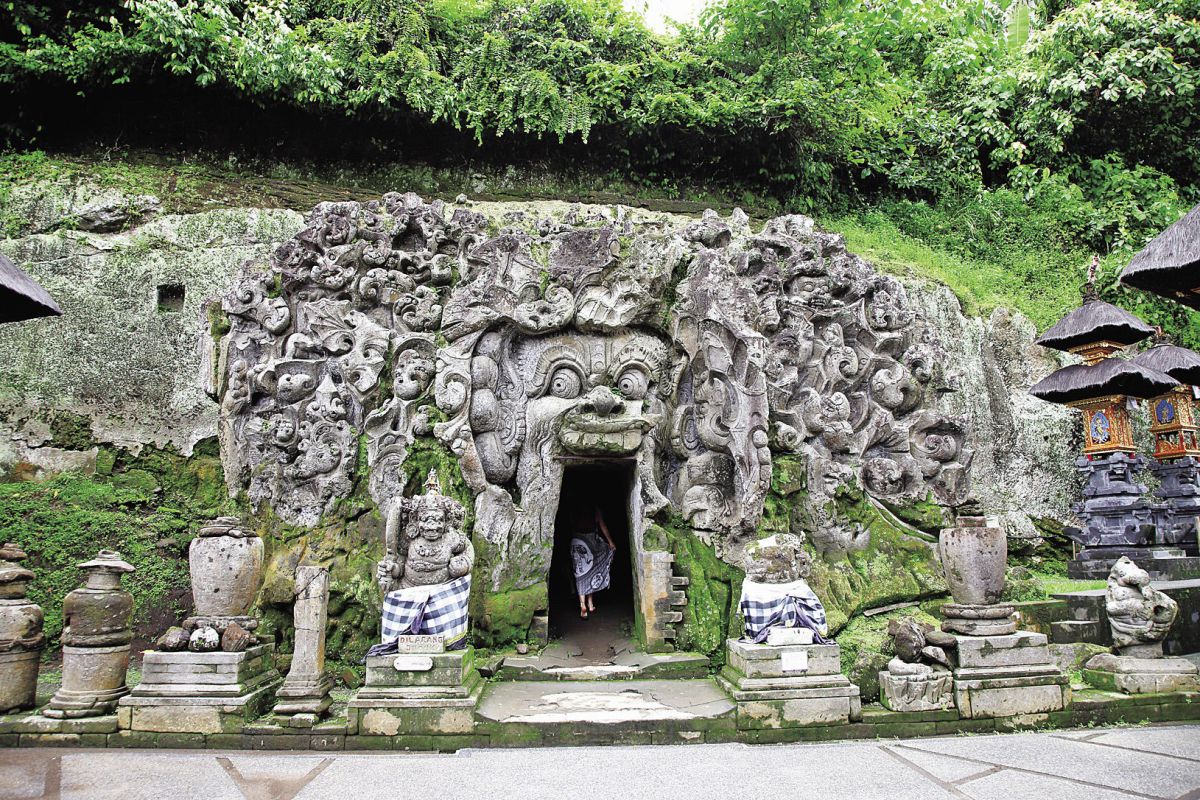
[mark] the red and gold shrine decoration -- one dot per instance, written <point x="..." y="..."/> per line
<point x="1106" y="426"/>
<point x="1173" y="422"/>
<point x="1102" y="391"/>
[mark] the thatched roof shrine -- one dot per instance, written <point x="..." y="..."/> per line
<point x="1112" y="376"/>
<point x="1170" y="264"/>
<point x="1180" y="363"/>
<point x="21" y="297"/>
<point x="1093" y="322"/>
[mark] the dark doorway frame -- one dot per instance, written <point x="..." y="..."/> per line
<point x="609" y="483"/>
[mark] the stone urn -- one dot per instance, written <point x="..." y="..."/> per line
<point x="974" y="555"/>
<point x="21" y="639"/>
<point x="96" y="636"/>
<point x="226" y="564"/>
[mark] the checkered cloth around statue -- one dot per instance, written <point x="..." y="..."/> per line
<point x="791" y="605"/>
<point x="440" y="609"/>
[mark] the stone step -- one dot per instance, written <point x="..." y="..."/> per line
<point x="647" y="705"/>
<point x="1074" y="630"/>
<point x="627" y="666"/>
<point x="679" y="581"/>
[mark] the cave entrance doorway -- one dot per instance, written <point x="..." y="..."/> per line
<point x="607" y="485"/>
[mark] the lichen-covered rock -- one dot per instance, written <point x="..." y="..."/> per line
<point x="764" y="381"/>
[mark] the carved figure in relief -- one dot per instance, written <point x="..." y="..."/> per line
<point x="424" y="542"/>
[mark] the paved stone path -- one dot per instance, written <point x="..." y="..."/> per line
<point x="1157" y="762"/>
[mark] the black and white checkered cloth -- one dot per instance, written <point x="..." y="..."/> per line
<point x="770" y="605"/>
<point x="428" y="609"/>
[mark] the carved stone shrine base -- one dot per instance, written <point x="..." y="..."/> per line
<point x="1134" y="675"/>
<point x="788" y="686"/>
<point x="18" y="679"/>
<point x="931" y="691"/>
<point x="430" y="693"/>
<point x="93" y="682"/>
<point x="1008" y="676"/>
<point x="307" y="699"/>
<point x="1162" y="563"/>
<point x="978" y="620"/>
<point x="188" y="692"/>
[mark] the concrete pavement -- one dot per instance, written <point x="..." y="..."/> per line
<point x="1161" y="763"/>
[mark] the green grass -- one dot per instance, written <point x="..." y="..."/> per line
<point x="1056" y="584"/>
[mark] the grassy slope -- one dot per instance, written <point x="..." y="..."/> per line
<point x="996" y="258"/>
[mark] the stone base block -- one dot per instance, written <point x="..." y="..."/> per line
<point x="204" y="715"/>
<point x="982" y="620"/>
<point x="767" y="661"/>
<point x="1011" y="650"/>
<point x="93" y="682"/>
<point x="819" y="700"/>
<point x="1133" y="675"/>
<point x="207" y="675"/>
<point x="1162" y="564"/>
<point x="925" y="692"/>
<point x="788" y="686"/>
<point x="306" y="697"/>
<point x="987" y="693"/>
<point x="380" y="711"/>
<point x="452" y="668"/>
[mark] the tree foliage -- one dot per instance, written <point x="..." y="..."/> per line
<point x="1091" y="106"/>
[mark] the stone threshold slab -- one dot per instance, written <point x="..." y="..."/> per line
<point x="601" y="703"/>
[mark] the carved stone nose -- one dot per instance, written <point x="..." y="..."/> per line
<point x="602" y="401"/>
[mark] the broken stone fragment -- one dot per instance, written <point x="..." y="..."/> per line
<point x="204" y="640"/>
<point x="174" y="640"/>
<point x="236" y="638"/>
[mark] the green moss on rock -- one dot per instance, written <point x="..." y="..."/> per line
<point x="866" y="648"/>
<point x="713" y="591"/>
<point x="504" y="617"/>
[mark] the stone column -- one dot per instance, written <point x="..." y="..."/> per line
<point x="304" y="695"/>
<point x="96" y="641"/>
<point x="21" y="639"/>
<point x="1001" y="672"/>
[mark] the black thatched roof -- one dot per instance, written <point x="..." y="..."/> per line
<point x="1095" y="321"/>
<point x="1180" y="363"/>
<point x="21" y="297"/>
<point x="1110" y="376"/>
<point x="1170" y="264"/>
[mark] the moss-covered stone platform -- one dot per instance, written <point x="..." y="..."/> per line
<point x="707" y="721"/>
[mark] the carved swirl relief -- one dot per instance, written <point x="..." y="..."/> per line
<point x="693" y="350"/>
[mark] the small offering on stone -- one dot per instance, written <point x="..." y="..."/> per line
<point x="204" y="640"/>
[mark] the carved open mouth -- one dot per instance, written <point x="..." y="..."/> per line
<point x="587" y="434"/>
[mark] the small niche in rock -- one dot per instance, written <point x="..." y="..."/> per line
<point x="170" y="297"/>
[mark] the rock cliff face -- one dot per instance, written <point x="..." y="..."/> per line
<point x="774" y="382"/>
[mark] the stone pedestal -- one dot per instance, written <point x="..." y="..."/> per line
<point x="21" y="639"/>
<point x="1006" y="676"/>
<point x="96" y="638"/>
<point x="305" y="692"/>
<point x="1142" y="673"/>
<point x="187" y="692"/>
<point x="916" y="687"/>
<point x="789" y="686"/>
<point x="433" y="693"/>
<point x="1161" y="563"/>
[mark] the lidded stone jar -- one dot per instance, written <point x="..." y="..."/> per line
<point x="226" y="565"/>
<point x="96" y="636"/>
<point x="21" y="638"/>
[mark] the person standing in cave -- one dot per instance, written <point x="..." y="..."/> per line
<point x="591" y="556"/>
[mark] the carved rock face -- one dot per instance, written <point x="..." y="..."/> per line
<point x="694" y="349"/>
<point x="777" y="559"/>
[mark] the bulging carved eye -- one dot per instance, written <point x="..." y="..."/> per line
<point x="565" y="383"/>
<point x="633" y="384"/>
